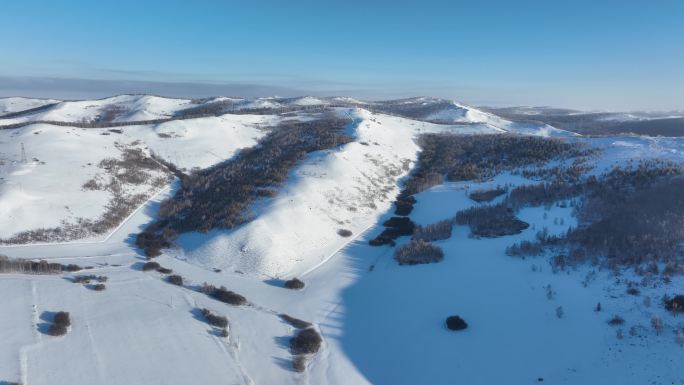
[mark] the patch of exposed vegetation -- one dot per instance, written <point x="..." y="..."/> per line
<point x="486" y="195"/>
<point x="134" y="168"/>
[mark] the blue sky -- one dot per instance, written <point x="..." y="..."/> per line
<point x="584" y="54"/>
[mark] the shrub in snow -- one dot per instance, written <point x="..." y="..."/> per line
<point x="299" y="363"/>
<point x="455" y="322"/>
<point x="150" y="266"/>
<point x="344" y="233"/>
<point x="224" y="295"/>
<point x="633" y="291"/>
<point x="559" y="312"/>
<point x="57" y="330"/>
<point x="175" y="280"/>
<point x="89" y="278"/>
<point x="294" y="283"/>
<point x="62" y="318"/>
<point x="307" y="341"/>
<point x="215" y="320"/>
<point x="295" y="322"/>
<point x="616" y="320"/>
<point x="99" y="287"/>
<point x="418" y="252"/>
<point x="164" y="270"/>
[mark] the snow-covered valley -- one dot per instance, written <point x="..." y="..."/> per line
<point x="380" y="322"/>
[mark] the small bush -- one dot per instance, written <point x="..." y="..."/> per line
<point x="616" y="320"/>
<point x="88" y="278"/>
<point x="150" y="266"/>
<point x="224" y="295"/>
<point x="294" y="284"/>
<point x="62" y="318"/>
<point x="215" y="320"/>
<point x="71" y="268"/>
<point x="295" y="322"/>
<point x="344" y="233"/>
<point x="175" y="280"/>
<point x="164" y="270"/>
<point x="418" y="252"/>
<point x="57" y="330"/>
<point x="307" y="341"/>
<point x="455" y="322"/>
<point x="299" y="363"/>
<point x="99" y="287"/>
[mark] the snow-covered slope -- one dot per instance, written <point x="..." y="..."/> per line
<point x="339" y="189"/>
<point x="17" y="104"/>
<point x="122" y="108"/>
<point x="381" y="323"/>
<point x="47" y="190"/>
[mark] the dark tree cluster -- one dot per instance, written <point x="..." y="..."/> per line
<point x="480" y="196"/>
<point x="22" y="266"/>
<point x="404" y="204"/>
<point x="630" y="216"/>
<point x="674" y="304"/>
<point x="434" y="231"/>
<point x="206" y="109"/>
<point x="395" y="227"/>
<point x="224" y="295"/>
<point x="410" y="109"/>
<point x="478" y="157"/>
<point x="418" y="252"/>
<point x="218" y="197"/>
<point x="491" y="221"/>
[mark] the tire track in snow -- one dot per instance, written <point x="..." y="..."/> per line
<point x="25" y="350"/>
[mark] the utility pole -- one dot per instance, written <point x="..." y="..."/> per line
<point x="23" y="154"/>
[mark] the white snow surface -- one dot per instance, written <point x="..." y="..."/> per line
<point x="381" y="323"/>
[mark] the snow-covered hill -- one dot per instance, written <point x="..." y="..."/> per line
<point x="380" y="322"/>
